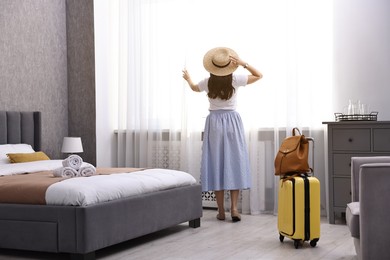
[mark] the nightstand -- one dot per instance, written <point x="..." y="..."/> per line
<point x="348" y="139"/>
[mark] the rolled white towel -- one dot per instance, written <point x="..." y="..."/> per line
<point x="86" y="171"/>
<point x="73" y="161"/>
<point x="66" y="172"/>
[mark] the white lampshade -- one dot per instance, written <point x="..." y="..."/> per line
<point x="72" y="145"/>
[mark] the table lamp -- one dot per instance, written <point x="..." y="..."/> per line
<point x="72" y="145"/>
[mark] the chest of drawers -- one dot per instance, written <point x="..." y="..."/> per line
<point x="345" y="140"/>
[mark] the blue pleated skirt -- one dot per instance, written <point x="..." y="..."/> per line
<point x="225" y="160"/>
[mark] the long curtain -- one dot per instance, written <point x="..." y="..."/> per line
<point x="159" y="121"/>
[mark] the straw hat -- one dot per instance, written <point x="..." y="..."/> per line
<point x="217" y="61"/>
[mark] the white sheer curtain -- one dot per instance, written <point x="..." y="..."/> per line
<point x="159" y="120"/>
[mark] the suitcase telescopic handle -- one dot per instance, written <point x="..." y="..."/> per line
<point x="311" y="139"/>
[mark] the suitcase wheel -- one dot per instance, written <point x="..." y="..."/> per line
<point x="296" y="243"/>
<point x="281" y="237"/>
<point x="313" y="242"/>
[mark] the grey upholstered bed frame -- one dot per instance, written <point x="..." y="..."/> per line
<point x="81" y="231"/>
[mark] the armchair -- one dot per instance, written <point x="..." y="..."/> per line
<point x="368" y="214"/>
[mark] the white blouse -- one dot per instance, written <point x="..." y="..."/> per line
<point x="239" y="80"/>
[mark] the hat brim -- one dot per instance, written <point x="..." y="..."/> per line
<point x="210" y="67"/>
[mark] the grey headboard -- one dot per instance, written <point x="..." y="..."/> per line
<point x="21" y="127"/>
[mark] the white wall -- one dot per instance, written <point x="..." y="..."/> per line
<point x="362" y="54"/>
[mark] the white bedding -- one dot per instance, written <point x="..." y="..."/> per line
<point x="83" y="191"/>
<point x="27" y="167"/>
<point x="90" y="190"/>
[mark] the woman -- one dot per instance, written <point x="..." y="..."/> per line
<point x="225" y="162"/>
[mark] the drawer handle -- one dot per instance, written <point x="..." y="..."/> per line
<point x="350" y="140"/>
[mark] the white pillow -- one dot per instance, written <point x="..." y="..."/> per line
<point x="13" y="148"/>
<point x="22" y="148"/>
<point x="4" y="149"/>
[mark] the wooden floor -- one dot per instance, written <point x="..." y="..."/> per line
<point x="255" y="237"/>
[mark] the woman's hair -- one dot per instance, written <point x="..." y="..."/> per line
<point x="220" y="87"/>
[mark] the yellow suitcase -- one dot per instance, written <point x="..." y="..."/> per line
<point x="299" y="209"/>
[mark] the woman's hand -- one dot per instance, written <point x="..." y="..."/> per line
<point x="187" y="77"/>
<point x="237" y="61"/>
<point x="256" y="75"/>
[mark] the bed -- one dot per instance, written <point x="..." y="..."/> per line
<point x="81" y="230"/>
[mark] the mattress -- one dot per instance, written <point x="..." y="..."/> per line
<point x="109" y="184"/>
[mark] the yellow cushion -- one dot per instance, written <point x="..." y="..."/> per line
<point x="27" y="157"/>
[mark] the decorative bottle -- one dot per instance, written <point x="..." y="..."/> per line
<point x="350" y="108"/>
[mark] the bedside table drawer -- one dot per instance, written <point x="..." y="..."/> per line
<point x="342" y="164"/>
<point x="341" y="192"/>
<point x="351" y="140"/>
<point x="381" y="140"/>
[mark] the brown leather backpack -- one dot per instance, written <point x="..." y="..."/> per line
<point x="293" y="154"/>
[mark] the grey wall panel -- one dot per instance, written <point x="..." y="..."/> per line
<point x="81" y="75"/>
<point x="39" y="72"/>
<point x="33" y="64"/>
